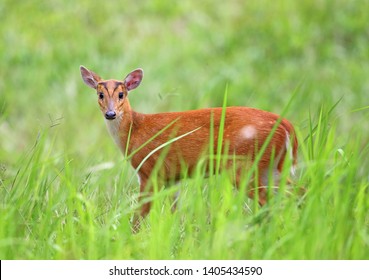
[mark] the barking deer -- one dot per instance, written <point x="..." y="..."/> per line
<point x="245" y="130"/>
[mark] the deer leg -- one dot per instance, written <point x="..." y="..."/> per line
<point x="261" y="189"/>
<point x="145" y="193"/>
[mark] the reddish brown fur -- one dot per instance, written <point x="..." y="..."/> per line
<point x="245" y="131"/>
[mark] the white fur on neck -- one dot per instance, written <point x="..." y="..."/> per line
<point x="114" y="130"/>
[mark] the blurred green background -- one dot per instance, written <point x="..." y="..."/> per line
<point x="189" y="50"/>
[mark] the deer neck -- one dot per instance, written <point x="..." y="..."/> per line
<point x="120" y="127"/>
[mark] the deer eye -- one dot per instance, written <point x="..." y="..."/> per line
<point x="120" y="95"/>
<point x="101" y="95"/>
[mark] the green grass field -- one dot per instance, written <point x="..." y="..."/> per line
<point x="66" y="192"/>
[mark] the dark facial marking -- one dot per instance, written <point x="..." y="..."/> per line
<point x="104" y="85"/>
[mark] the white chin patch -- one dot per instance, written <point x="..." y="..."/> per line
<point x="248" y="132"/>
<point x="114" y="130"/>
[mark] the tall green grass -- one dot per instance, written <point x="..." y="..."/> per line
<point x="53" y="210"/>
<point x="66" y="191"/>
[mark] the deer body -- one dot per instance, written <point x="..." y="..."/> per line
<point x="245" y="131"/>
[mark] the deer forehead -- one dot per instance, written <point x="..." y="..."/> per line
<point x="111" y="86"/>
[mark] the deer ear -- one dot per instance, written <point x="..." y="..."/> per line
<point x="90" y="78"/>
<point x="133" y="79"/>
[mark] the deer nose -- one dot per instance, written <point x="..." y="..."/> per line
<point x="110" y="115"/>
